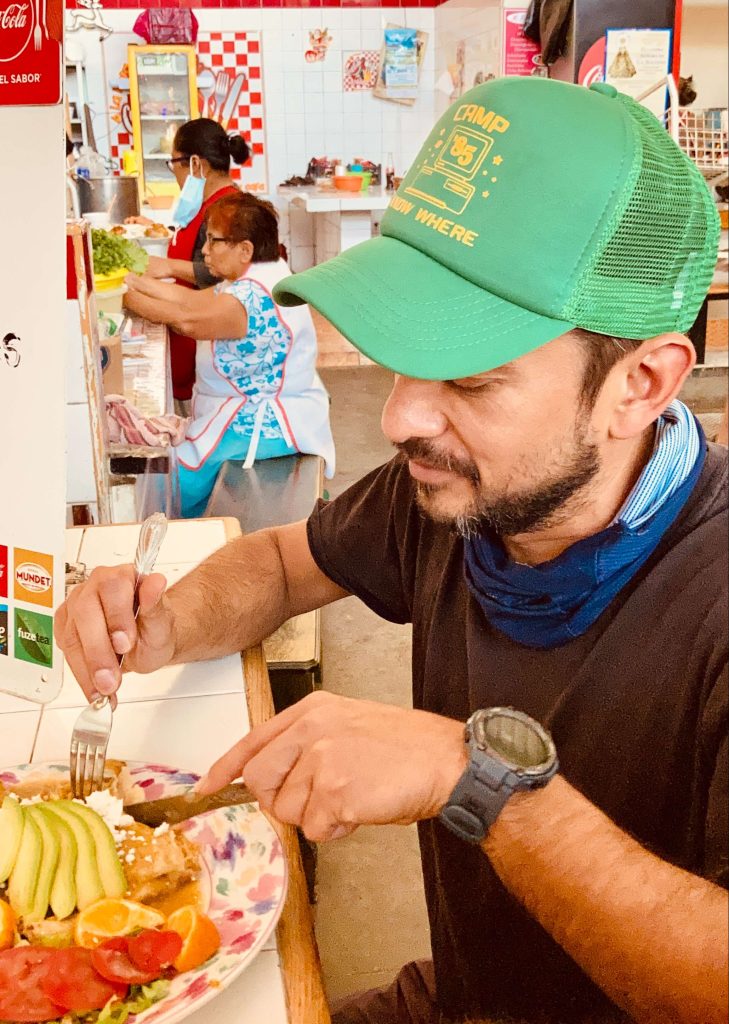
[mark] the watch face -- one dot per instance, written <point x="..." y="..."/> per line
<point x="514" y="738"/>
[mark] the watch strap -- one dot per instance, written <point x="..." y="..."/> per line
<point x="481" y="792"/>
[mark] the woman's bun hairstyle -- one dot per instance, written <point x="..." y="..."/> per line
<point x="239" y="151"/>
<point x="207" y="139"/>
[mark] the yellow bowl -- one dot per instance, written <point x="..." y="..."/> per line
<point x="106" y="282"/>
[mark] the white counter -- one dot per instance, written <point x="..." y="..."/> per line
<point x="324" y="222"/>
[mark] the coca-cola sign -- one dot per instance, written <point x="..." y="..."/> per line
<point x="16" y="27"/>
<point x="31" y="33"/>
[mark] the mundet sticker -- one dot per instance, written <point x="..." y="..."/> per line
<point x="33" y="577"/>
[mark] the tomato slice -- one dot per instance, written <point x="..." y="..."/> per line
<point x="152" y="950"/>
<point x="112" y="960"/>
<point x="22" y="971"/>
<point x="72" y="982"/>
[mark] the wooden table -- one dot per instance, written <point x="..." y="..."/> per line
<point x="188" y="715"/>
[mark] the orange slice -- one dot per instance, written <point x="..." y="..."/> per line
<point x="7" y="925"/>
<point x="200" y="938"/>
<point x="109" y="918"/>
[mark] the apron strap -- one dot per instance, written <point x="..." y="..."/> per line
<point x="258" y="426"/>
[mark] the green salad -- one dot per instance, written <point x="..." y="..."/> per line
<point x="110" y="253"/>
<point x="116" y="1011"/>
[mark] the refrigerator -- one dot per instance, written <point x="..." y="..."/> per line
<point x="163" y="95"/>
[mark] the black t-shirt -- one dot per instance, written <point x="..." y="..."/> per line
<point x="637" y="707"/>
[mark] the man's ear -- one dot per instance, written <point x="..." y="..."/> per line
<point x="647" y="381"/>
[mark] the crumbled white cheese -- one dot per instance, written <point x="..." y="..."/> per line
<point x="35" y="799"/>
<point x="130" y="857"/>
<point x="161" y="829"/>
<point x="111" y="809"/>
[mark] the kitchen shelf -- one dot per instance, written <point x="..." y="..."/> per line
<point x="163" y="117"/>
<point x="161" y="73"/>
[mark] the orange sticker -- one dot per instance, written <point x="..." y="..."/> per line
<point x="33" y="577"/>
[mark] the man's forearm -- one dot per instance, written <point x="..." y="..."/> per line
<point x="233" y="600"/>
<point x="652" y="936"/>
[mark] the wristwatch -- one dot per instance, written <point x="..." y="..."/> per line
<point x="509" y="752"/>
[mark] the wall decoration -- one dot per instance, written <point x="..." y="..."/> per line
<point x="319" y="42"/>
<point x="31" y="57"/>
<point x="381" y="90"/>
<point x="521" y="55"/>
<point x="637" y="58"/>
<point x="234" y="59"/>
<point x="360" y="70"/>
<point x="88" y="14"/>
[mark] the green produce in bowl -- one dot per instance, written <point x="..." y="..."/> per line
<point x="110" y="253"/>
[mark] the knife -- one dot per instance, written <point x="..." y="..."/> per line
<point x="171" y="810"/>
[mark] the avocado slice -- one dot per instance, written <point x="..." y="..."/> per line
<point x="49" y="862"/>
<point x="11" y="829"/>
<point x="24" y="876"/>
<point x="63" y="890"/>
<point x="88" y="882"/>
<point x="111" y="872"/>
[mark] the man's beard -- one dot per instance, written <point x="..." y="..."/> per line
<point x="509" y="514"/>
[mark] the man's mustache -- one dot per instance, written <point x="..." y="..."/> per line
<point x="425" y="452"/>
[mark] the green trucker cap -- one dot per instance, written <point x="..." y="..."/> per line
<point x="533" y="207"/>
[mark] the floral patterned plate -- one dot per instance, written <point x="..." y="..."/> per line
<point x="243" y="881"/>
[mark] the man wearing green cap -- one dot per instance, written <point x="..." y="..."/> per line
<point x="554" y="527"/>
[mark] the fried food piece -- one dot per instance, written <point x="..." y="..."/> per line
<point x="156" y="864"/>
<point x="58" y="787"/>
<point x="119" y="230"/>
<point x="156" y="231"/>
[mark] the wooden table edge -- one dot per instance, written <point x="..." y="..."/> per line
<point x="300" y="965"/>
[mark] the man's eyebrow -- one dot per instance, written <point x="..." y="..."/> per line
<point x="505" y="372"/>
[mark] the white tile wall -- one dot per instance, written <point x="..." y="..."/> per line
<point x="307" y="112"/>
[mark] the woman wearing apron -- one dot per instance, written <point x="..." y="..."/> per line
<point x="200" y="161"/>
<point x="257" y="393"/>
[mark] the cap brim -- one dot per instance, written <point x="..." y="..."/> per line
<point x="411" y="314"/>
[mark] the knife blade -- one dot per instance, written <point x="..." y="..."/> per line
<point x="171" y="810"/>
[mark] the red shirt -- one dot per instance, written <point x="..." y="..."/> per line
<point x="182" y="349"/>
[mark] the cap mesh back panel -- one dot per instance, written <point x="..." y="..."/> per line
<point x="653" y="267"/>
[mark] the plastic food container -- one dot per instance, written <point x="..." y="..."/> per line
<point x="348" y="183"/>
<point x="108" y="282"/>
<point x="111" y="300"/>
<point x="366" y="177"/>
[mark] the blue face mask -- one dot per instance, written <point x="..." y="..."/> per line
<point x="190" y="201"/>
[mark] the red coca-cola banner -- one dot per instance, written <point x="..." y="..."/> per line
<point x="31" y="52"/>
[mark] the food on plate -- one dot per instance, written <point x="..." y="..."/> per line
<point x="81" y="941"/>
<point x="200" y="939"/>
<point x="157" y="862"/>
<point x="157" y="231"/>
<point x="7" y="925"/>
<point x="112" y="253"/>
<point x="111" y="918"/>
<point x="119" y="230"/>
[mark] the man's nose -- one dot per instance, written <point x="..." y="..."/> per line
<point x="413" y="410"/>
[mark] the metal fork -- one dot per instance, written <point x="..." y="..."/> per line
<point x="90" y="736"/>
<point x="222" y="86"/>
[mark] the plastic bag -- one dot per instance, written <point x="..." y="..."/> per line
<point x="167" y="25"/>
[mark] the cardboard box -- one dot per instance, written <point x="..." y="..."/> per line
<point x="112" y="373"/>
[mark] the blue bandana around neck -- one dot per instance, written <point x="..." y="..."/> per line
<point x="547" y="605"/>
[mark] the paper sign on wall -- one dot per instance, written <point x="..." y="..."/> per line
<point x="521" y="55"/>
<point x="637" y="58"/>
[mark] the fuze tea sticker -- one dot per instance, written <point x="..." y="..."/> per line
<point x="34" y="637"/>
<point x="3" y="629"/>
<point x="33" y="577"/>
<point x="3" y="571"/>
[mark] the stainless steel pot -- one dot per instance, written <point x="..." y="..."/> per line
<point x="116" y="195"/>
